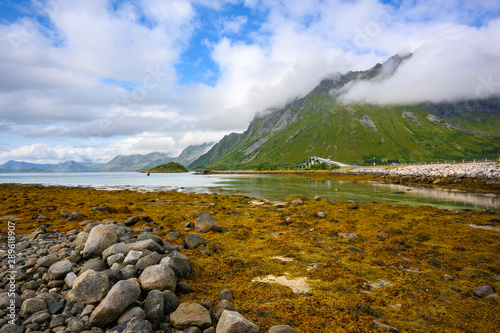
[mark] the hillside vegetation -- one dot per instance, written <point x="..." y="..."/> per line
<point x="320" y="125"/>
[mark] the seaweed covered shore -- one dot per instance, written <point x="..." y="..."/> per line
<point x="313" y="264"/>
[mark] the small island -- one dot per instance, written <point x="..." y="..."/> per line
<point x="171" y="167"/>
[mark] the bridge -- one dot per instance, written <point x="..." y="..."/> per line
<point x="318" y="160"/>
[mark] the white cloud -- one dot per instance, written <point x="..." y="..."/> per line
<point x="107" y="78"/>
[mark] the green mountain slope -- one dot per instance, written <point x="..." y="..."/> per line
<point x="319" y="125"/>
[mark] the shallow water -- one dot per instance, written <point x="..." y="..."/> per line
<point x="271" y="187"/>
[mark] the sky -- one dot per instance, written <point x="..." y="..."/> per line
<point x="87" y="80"/>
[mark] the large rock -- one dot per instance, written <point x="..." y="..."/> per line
<point x="149" y="235"/>
<point x="115" y="303"/>
<point x="159" y="277"/>
<point x="81" y="239"/>
<point x="95" y="264"/>
<point x="149" y="260"/>
<point x="59" y="270"/>
<point x="179" y="263"/>
<point x="206" y="223"/>
<point x="222" y="306"/>
<point x="193" y="241"/>
<point x="115" y="249"/>
<point x="190" y="314"/>
<point x="170" y="301"/>
<point x="32" y="305"/>
<point x="281" y="329"/>
<point x="100" y="238"/>
<point x="154" y="307"/>
<point x="482" y="291"/>
<point x="89" y="287"/>
<point x="233" y="322"/>
<point x="135" y="312"/>
<point x="147" y="244"/>
<point x="132" y="257"/>
<point x="134" y="325"/>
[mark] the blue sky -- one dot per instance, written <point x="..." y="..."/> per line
<point x="90" y="79"/>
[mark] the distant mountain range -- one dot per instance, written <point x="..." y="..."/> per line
<point x="319" y="124"/>
<point x="118" y="163"/>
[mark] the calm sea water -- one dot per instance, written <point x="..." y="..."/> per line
<point x="271" y="187"/>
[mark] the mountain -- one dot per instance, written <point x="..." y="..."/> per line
<point x="136" y="162"/>
<point x="191" y="153"/>
<point x="172" y="167"/>
<point x="16" y="165"/>
<point x="320" y="125"/>
<point x="71" y="166"/>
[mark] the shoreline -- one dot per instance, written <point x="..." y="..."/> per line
<point x="355" y="261"/>
<point x="481" y="177"/>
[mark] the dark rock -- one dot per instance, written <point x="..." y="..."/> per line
<point x="115" y="303"/>
<point x="95" y="264"/>
<point x="205" y="223"/>
<point x="170" y="302"/>
<point x="9" y="328"/>
<point x="482" y="291"/>
<point x="101" y="208"/>
<point x="57" y="320"/>
<point x="173" y="235"/>
<point x="179" y="263"/>
<point x="132" y="221"/>
<point x="135" y="312"/>
<point x="5" y="300"/>
<point x="75" y="324"/>
<point x="154" y="307"/>
<point x="32" y="305"/>
<point x="55" y="308"/>
<point x="134" y="325"/>
<point x="193" y="241"/>
<point x="226" y="294"/>
<point x="46" y="261"/>
<point x="129" y="272"/>
<point x="149" y="260"/>
<point x="148" y="235"/>
<point x="182" y="288"/>
<point x="221" y="307"/>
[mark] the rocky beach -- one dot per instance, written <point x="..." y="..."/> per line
<point x="86" y="260"/>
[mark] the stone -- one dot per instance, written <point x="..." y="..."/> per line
<point x="395" y="307"/>
<point x="46" y="261"/>
<point x="380" y="325"/>
<point x="100" y="208"/>
<point x="134" y="325"/>
<point x="492" y="297"/>
<point x="180" y="264"/>
<point x="39" y="317"/>
<point x="173" y="235"/>
<point x="115" y="303"/>
<point x="149" y="260"/>
<point x="132" y="221"/>
<point x="149" y="235"/>
<point x="209" y="330"/>
<point x="132" y="257"/>
<point x="100" y="238"/>
<point x="57" y="320"/>
<point x="193" y="241"/>
<point x="5" y="300"/>
<point x="129" y="272"/>
<point x="226" y="294"/>
<point x="147" y="244"/>
<point x="297" y="202"/>
<point x="115" y="249"/>
<point x="317" y="198"/>
<point x="190" y="314"/>
<point x="382" y="235"/>
<point x="32" y="305"/>
<point x="75" y="324"/>
<point x="56" y="307"/>
<point x="159" y="277"/>
<point x="482" y="291"/>
<point x="205" y="223"/>
<point x="9" y="328"/>
<point x="135" y="312"/>
<point x="89" y="287"/>
<point x="95" y="264"/>
<point x="281" y="329"/>
<point x="233" y="322"/>
<point x="154" y="307"/>
<point x="182" y="288"/>
<point x="70" y="278"/>
<point x="321" y="214"/>
<point x="222" y="306"/>
<point x="91" y="226"/>
<point x="59" y="270"/>
<point x="115" y="258"/>
<point x="170" y="302"/>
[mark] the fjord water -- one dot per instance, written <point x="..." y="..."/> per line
<point x="262" y="186"/>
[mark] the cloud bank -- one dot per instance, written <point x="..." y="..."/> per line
<point x="90" y="79"/>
